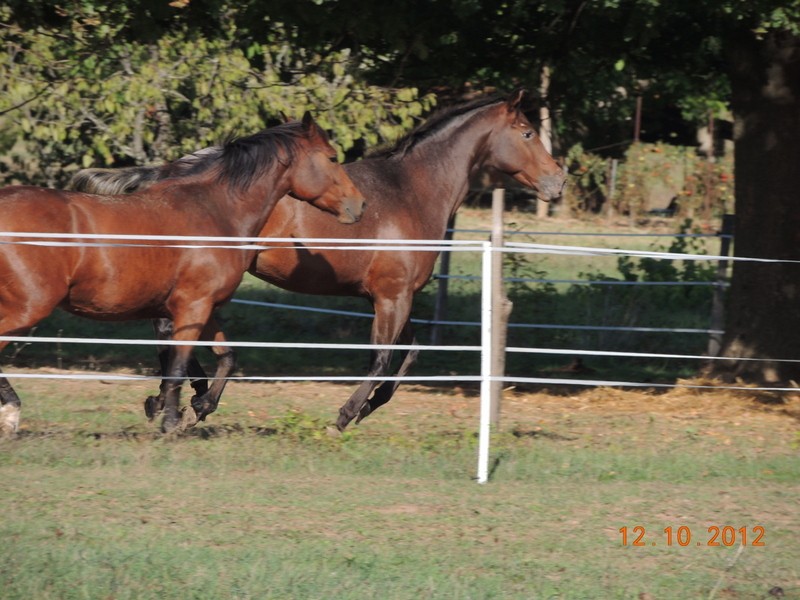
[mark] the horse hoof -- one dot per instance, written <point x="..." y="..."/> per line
<point x="9" y="419"/>
<point x="170" y="424"/>
<point x="365" y="411"/>
<point x="152" y="407"/>
<point x="188" y="418"/>
<point x="342" y="422"/>
<point x="202" y="407"/>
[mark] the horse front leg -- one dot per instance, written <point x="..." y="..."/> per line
<point x="387" y="389"/>
<point x="19" y="324"/>
<point x="190" y="321"/>
<point x="198" y="379"/>
<point x="205" y="403"/>
<point x="390" y="317"/>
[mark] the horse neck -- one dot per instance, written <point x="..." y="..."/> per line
<point x="249" y="209"/>
<point x="440" y="168"/>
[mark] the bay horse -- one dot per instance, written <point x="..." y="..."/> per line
<point x="226" y="194"/>
<point x="414" y="188"/>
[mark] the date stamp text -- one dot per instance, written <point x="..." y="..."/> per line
<point x="715" y="535"/>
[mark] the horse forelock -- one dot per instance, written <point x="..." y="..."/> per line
<point x="434" y="124"/>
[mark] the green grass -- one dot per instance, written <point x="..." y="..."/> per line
<point x="262" y="502"/>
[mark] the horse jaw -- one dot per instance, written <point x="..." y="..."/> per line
<point x="548" y="187"/>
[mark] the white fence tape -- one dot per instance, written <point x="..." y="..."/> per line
<point x="201" y="242"/>
<point x="255" y="243"/>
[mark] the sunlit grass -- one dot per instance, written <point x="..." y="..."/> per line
<point x="263" y="501"/>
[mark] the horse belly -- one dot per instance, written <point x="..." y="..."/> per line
<point x="327" y="272"/>
<point x="120" y="283"/>
<point x="101" y="300"/>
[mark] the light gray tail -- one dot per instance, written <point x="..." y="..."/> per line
<point x="114" y="181"/>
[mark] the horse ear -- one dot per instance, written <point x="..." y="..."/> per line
<point x="285" y="117"/>
<point x="514" y="101"/>
<point x="312" y="128"/>
<point x="308" y="122"/>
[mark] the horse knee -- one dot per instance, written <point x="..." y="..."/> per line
<point x="228" y="360"/>
<point x="380" y="362"/>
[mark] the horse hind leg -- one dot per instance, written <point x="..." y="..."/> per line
<point x="206" y="403"/>
<point x="391" y="316"/>
<point x="10" y="408"/>
<point x="10" y="404"/>
<point x="387" y="389"/>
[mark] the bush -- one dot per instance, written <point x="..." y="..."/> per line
<point x="698" y="187"/>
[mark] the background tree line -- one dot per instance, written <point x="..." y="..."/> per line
<point x="85" y="82"/>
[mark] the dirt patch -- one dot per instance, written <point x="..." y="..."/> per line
<point x="714" y="402"/>
<point x="527" y="411"/>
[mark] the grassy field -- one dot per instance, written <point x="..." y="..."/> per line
<point x="262" y="501"/>
<point x="265" y="501"/>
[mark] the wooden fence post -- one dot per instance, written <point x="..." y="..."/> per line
<point x="545" y="131"/>
<point x="440" y="307"/>
<point x="718" y="301"/>
<point x="501" y="306"/>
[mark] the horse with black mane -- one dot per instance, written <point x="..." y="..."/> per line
<point x="414" y="188"/>
<point x="229" y="193"/>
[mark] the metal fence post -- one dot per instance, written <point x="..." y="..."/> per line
<point x="440" y="307"/>
<point x="484" y="427"/>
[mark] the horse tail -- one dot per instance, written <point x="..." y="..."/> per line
<point x="114" y="181"/>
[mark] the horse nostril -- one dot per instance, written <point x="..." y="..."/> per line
<point x="349" y="215"/>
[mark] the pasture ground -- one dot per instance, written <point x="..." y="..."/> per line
<point x="262" y="501"/>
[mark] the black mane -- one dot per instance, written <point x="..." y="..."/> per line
<point x="241" y="160"/>
<point x="432" y="125"/>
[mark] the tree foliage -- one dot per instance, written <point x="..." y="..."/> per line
<point x="81" y="93"/>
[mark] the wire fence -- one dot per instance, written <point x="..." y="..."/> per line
<point x="48" y="239"/>
<point x="485" y="377"/>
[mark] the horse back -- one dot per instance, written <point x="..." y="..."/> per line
<point x="121" y="279"/>
<point x="391" y="214"/>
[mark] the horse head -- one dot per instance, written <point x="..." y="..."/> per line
<point x="517" y="150"/>
<point x="318" y="178"/>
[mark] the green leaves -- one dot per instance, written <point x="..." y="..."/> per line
<point x="150" y="102"/>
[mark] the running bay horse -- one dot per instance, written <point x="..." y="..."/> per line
<point x="414" y="188"/>
<point x="228" y="194"/>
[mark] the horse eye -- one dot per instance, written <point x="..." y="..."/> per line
<point x="527" y="134"/>
<point x="333" y="159"/>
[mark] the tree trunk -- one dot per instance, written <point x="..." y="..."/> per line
<point x="763" y="314"/>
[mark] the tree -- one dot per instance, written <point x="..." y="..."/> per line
<point x="763" y="316"/>
<point x="754" y="48"/>
<point x="90" y="87"/>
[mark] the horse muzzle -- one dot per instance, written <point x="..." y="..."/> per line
<point x="550" y="187"/>
<point x="352" y="210"/>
